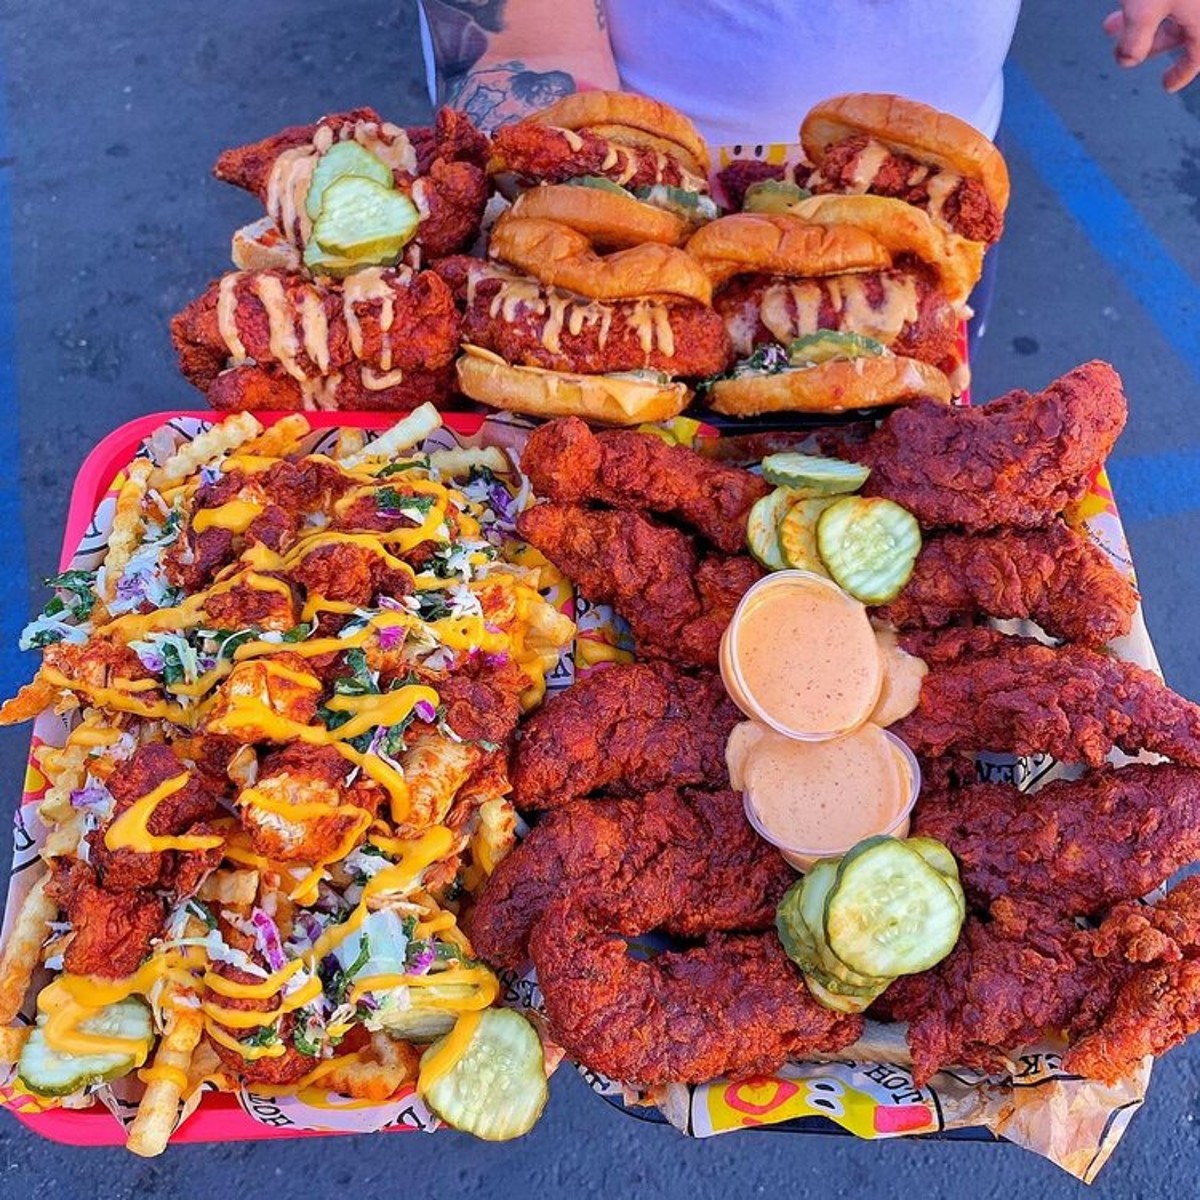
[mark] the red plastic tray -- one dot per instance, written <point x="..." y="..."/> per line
<point x="211" y="1122"/>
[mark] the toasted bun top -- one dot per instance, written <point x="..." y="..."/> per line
<point x="903" y="229"/>
<point x="919" y="130"/>
<point x="832" y="387"/>
<point x="782" y="244"/>
<point x="616" y="401"/>
<point x="581" y="110"/>
<point x="562" y="257"/>
<point x="604" y="217"/>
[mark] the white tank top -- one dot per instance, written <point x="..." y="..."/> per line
<point x="746" y="71"/>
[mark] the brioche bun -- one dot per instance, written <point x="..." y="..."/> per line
<point x="870" y="382"/>
<point x="782" y="244"/>
<point x="558" y="256"/>
<point x="903" y="229"/>
<point x="643" y="122"/>
<point x="604" y="217"/>
<point x="910" y="127"/>
<point x="486" y="377"/>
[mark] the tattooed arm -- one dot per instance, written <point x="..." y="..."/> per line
<point x="499" y="60"/>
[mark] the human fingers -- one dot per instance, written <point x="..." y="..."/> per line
<point x="1140" y="25"/>
<point x="1187" y="66"/>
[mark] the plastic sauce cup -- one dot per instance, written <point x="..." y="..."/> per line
<point x="802" y="857"/>
<point x="844" y="640"/>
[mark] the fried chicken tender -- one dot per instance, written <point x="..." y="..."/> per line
<point x="967" y="208"/>
<point x="300" y="775"/>
<point x="550" y="155"/>
<point x="532" y="325"/>
<point x="253" y="388"/>
<point x="1078" y="846"/>
<point x="567" y="462"/>
<point x="676" y="601"/>
<point x="1120" y="992"/>
<point x="1019" y="460"/>
<point x="186" y="811"/>
<point x="762" y="309"/>
<point x="449" y="183"/>
<point x="1054" y="576"/>
<point x="405" y="323"/>
<point x="351" y="573"/>
<point x="986" y="691"/>
<point x="735" y="1006"/>
<point x="632" y="727"/>
<point x="686" y="853"/>
<point x="111" y="931"/>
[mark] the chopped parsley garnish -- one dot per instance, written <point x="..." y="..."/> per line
<point x="395" y="468"/>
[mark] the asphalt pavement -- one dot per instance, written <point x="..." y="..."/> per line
<point x="115" y="113"/>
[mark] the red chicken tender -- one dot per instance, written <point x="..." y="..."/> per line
<point x="1019" y="460"/>
<point x="111" y="931"/>
<point x="186" y="811"/>
<point x="735" y="1006"/>
<point x="1121" y="991"/>
<point x="441" y="167"/>
<point x="1054" y="576"/>
<point x="1078" y="846"/>
<point x="552" y="155"/>
<point x="689" y="853"/>
<point x="631" y="727"/>
<point x="532" y="325"/>
<point x="350" y="344"/>
<point x="567" y="462"/>
<point x="676" y="602"/>
<point x="904" y="308"/>
<point x="986" y="691"/>
<point x="351" y="573"/>
<point x="966" y="208"/>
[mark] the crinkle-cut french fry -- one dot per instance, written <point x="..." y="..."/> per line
<point x="159" y="1106"/>
<point x="22" y="950"/>
<point x="350" y="442"/>
<point x="28" y="702"/>
<point x="405" y="434"/>
<point x="128" y="524"/>
<point x="454" y="463"/>
<point x="234" y="888"/>
<point x="377" y="1072"/>
<point x="63" y="841"/>
<point x="280" y="439"/>
<point x="12" y="1042"/>
<point x="230" y="434"/>
<point x="206" y="1067"/>
<point x="67" y="771"/>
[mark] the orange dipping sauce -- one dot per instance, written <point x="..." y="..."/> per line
<point x="815" y="799"/>
<point x="801" y="656"/>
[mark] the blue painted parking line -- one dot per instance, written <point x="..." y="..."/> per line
<point x="14" y="566"/>
<point x="1156" y="485"/>
<point x="1115" y="228"/>
<point x="1152" y="485"/>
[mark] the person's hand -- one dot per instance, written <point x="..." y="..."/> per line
<point x="1144" y="28"/>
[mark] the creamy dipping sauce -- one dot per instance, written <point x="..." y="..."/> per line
<point x="812" y="799"/>
<point x="800" y="655"/>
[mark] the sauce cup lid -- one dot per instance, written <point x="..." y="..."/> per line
<point x="811" y="853"/>
<point x="731" y="672"/>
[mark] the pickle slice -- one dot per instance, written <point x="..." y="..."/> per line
<point x="365" y="221"/>
<point x="49" y="1072"/>
<point x="343" y="158"/>
<point x="497" y="1087"/>
<point x="869" y="546"/>
<point x="773" y="196"/>
<point x="826" y="476"/>
<point x="798" y="535"/>
<point x="826" y="345"/>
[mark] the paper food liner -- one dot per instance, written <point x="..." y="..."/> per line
<point x="1075" y="1123"/>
